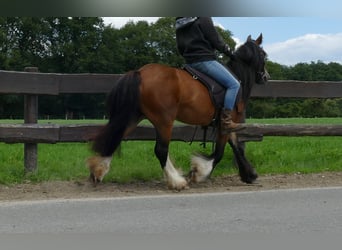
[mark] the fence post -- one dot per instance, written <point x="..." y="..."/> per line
<point x="30" y="116"/>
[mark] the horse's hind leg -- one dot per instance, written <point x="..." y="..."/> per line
<point x="99" y="165"/>
<point x="174" y="179"/>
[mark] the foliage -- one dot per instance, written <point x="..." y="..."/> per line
<point x="299" y="107"/>
<point x="294" y="107"/>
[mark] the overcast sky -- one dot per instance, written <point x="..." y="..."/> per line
<point x="287" y="40"/>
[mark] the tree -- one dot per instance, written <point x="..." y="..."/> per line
<point x="110" y="54"/>
<point x="73" y="44"/>
<point x="24" y="42"/>
<point x="276" y="70"/>
<point x="164" y="42"/>
<point x="137" y="45"/>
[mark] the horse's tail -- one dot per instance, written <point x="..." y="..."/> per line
<point x="123" y="109"/>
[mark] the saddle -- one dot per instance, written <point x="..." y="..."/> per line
<point x="216" y="91"/>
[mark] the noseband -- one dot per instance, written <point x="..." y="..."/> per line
<point x="263" y="75"/>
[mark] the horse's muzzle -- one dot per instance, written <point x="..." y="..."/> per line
<point x="263" y="77"/>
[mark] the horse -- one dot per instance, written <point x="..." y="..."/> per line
<point x="163" y="94"/>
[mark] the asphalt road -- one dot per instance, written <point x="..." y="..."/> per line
<point x="295" y="210"/>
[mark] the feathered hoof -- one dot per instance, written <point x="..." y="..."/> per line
<point x="178" y="185"/>
<point x="201" y="168"/>
<point x="98" y="168"/>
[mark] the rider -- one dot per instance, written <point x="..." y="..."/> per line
<point x="197" y="41"/>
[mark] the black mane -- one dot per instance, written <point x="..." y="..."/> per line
<point x="248" y="61"/>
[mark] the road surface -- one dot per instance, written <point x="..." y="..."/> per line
<point x="288" y="210"/>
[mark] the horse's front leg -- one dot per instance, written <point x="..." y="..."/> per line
<point x="174" y="178"/>
<point x="202" y="166"/>
<point x="246" y="170"/>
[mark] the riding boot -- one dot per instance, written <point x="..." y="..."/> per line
<point x="227" y="124"/>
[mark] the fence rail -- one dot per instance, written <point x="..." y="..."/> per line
<point x="12" y="82"/>
<point x="31" y="84"/>
<point x="53" y="133"/>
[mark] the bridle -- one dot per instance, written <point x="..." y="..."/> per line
<point x="263" y="74"/>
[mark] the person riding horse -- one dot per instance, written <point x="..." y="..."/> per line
<point x="197" y="41"/>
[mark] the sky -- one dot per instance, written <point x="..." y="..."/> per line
<point x="290" y="40"/>
<point x="287" y="40"/>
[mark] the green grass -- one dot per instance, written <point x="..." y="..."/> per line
<point x="65" y="161"/>
<point x="300" y="154"/>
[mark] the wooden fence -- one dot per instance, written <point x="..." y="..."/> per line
<point x="31" y="84"/>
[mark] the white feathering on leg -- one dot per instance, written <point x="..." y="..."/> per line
<point x="201" y="168"/>
<point x="173" y="177"/>
<point x="98" y="167"/>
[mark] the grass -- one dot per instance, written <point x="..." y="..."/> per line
<point x="65" y="161"/>
<point x="302" y="154"/>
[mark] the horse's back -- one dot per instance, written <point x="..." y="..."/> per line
<point x="176" y="93"/>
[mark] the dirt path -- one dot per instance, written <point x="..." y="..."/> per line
<point x="231" y="183"/>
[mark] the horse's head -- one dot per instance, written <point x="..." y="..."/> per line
<point x="253" y="55"/>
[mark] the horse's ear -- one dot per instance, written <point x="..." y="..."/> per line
<point x="259" y="39"/>
<point x="249" y="38"/>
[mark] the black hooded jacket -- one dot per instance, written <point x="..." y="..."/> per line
<point x="198" y="40"/>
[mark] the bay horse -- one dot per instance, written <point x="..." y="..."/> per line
<point x="163" y="94"/>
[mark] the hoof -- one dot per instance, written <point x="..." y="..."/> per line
<point x="94" y="180"/>
<point x="174" y="177"/>
<point x="98" y="168"/>
<point x="250" y="179"/>
<point x="178" y="185"/>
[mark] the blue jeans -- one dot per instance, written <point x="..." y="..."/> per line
<point x="221" y="75"/>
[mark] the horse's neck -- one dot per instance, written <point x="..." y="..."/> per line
<point x="245" y="75"/>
